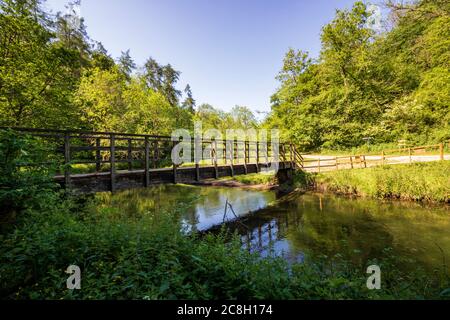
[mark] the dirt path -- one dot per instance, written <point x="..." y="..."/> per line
<point x="328" y="162"/>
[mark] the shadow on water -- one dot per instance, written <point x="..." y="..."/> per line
<point x="297" y="226"/>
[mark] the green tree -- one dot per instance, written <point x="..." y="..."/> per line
<point x="189" y="102"/>
<point x="126" y="64"/>
<point x="35" y="70"/>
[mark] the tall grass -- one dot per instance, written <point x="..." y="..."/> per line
<point x="264" y="178"/>
<point x="418" y="181"/>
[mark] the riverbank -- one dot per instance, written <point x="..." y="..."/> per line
<point x="148" y="256"/>
<point x="415" y="182"/>
<point x="253" y="181"/>
<point x="426" y="182"/>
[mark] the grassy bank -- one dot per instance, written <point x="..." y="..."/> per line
<point x="419" y="181"/>
<point x="262" y="178"/>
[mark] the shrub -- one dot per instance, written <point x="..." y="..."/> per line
<point x="418" y="181"/>
<point x="26" y="178"/>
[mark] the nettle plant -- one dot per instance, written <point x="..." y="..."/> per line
<point x="26" y="172"/>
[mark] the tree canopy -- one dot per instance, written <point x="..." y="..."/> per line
<point x="385" y="84"/>
<point x="53" y="75"/>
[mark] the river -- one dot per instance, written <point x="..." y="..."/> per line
<point x="297" y="226"/>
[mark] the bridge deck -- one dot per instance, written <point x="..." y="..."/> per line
<point x="125" y="179"/>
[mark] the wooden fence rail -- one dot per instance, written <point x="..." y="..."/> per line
<point x="391" y="156"/>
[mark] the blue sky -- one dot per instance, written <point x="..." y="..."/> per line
<point x="229" y="51"/>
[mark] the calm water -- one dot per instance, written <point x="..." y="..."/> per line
<point x="297" y="226"/>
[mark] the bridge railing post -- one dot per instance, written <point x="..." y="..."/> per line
<point x="291" y="149"/>
<point x="245" y="157"/>
<point x="257" y="156"/>
<point x="232" y="158"/>
<point x="130" y="155"/>
<point x="216" y="170"/>
<point x="155" y="153"/>
<point x="112" y="147"/>
<point x="174" y="166"/>
<point x="147" y="163"/>
<point x="97" y="155"/>
<point x="67" y="181"/>
<point x="197" y="156"/>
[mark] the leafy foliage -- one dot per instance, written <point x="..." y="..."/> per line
<point x="26" y="179"/>
<point x="388" y="85"/>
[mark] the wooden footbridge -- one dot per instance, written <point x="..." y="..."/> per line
<point x="109" y="161"/>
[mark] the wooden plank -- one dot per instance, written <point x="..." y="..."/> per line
<point x="112" y="169"/>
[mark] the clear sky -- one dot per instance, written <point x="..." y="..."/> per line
<point x="229" y="51"/>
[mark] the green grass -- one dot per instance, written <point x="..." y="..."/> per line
<point x="254" y="178"/>
<point x="419" y="181"/>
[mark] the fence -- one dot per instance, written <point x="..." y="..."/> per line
<point x="392" y="156"/>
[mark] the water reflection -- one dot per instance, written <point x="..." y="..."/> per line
<point x="358" y="230"/>
<point x="206" y="211"/>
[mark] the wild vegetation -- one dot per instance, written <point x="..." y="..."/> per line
<point x="255" y="178"/>
<point x="149" y="256"/>
<point x="418" y="181"/>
